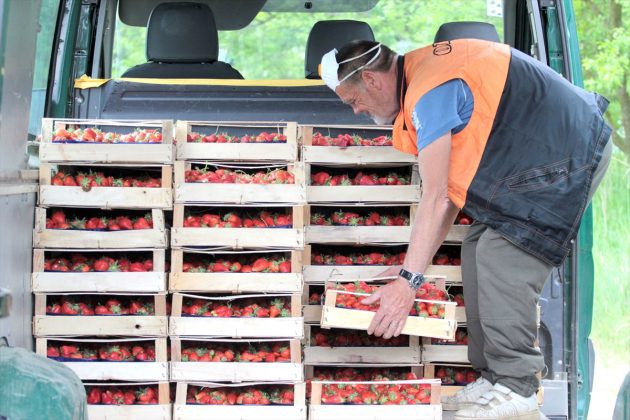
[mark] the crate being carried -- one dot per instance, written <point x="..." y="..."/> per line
<point x="95" y="228"/>
<point x="132" y="315"/>
<point x="99" y="271"/>
<point x="128" y="400"/>
<point x="105" y="186"/>
<point x="237" y="316"/>
<point x="119" y="359"/>
<point x="238" y="227"/>
<point x="237" y="141"/>
<point x="243" y="401"/>
<point x="236" y="360"/>
<point x="236" y="272"/>
<point x="431" y="314"/>
<point x="348" y="144"/>
<point x="406" y="399"/>
<point x="106" y="141"/>
<point x="345" y="346"/>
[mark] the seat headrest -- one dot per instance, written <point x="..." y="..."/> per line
<point x="182" y="33"/>
<point x="329" y="34"/>
<point x="460" y="30"/>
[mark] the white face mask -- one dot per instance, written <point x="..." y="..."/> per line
<point x="330" y="66"/>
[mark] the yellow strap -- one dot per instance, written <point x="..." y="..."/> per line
<point x="85" y="82"/>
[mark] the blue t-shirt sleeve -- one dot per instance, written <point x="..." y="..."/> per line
<point x="445" y="108"/>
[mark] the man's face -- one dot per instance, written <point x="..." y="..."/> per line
<point x="374" y="101"/>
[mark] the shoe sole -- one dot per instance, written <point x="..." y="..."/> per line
<point x="531" y="415"/>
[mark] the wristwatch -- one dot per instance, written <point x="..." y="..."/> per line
<point x="415" y="280"/>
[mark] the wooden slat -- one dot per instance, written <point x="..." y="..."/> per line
<point x="363" y="194"/>
<point x="238" y="238"/>
<point x="251" y="152"/>
<point x="106" y="153"/>
<point x="355" y="155"/>
<point x="360" y="235"/>
<point x="236" y="282"/>
<point x="292" y="327"/>
<point x="129" y="412"/>
<point x="135" y="326"/>
<point x="98" y="282"/>
<point x="240" y="193"/>
<point x="269" y="412"/>
<point x="236" y="372"/>
<point x="106" y="197"/>
<point x="375" y="412"/>
<point x="445" y="353"/>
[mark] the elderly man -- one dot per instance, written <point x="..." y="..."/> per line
<point x="519" y="149"/>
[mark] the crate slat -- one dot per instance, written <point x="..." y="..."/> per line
<point x="236" y="372"/>
<point x="355" y="155"/>
<point x="375" y="412"/>
<point x="238" y="238"/>
<point x="236" y="282"/>
<point x="290" y="327"/>
<point x="240" y="193"/>
<point x="106" y="197"/>
<point x="135" y="326"/>
<point x="363" y="194"/>
<point x="98" y="282"/>
<point x="130" y="412"/>
<point x="359" y="235"/>
<point x="444" y="353"/>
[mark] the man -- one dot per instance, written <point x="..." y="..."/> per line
<point x="515" y="146"/>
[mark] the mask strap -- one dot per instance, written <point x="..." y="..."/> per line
<point x="363" y="66"/>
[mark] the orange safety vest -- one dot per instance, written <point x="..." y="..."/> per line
<point x="523" y="164"/>
<point x="479" y="64"/>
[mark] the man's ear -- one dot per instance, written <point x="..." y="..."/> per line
<point x="371" y="79"/>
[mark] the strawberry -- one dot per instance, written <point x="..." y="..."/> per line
<point x="261" y="265"/>
<point x="141" y="223"/>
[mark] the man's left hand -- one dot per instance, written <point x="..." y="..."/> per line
<point x="396" y="301"/>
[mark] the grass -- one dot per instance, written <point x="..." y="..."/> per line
<point x="611" y="254"/>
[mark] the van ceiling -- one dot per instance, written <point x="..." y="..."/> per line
<point x="237" y="14"/>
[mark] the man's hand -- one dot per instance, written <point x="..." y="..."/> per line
<point x="396" y="301"/>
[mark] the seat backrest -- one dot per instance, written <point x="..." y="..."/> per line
<point x="182" y="42"/>
<point x="328" y="34"/>
<point x="460" y="30"/>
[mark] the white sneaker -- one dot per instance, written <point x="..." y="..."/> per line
<point x="466" y="397"/>
<point x="501" y="403"/>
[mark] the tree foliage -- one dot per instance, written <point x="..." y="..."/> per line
<point x="604" y="35"/>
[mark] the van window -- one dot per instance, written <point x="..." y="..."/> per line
<point x="43" y="52"/>
<point x="273" y="45"/>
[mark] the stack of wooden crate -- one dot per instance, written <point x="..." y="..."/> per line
<point x="362" y="197"/>
<point x="236" y="279"/>
<point x="99" y="260"/>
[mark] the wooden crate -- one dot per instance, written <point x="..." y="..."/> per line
<point x="235" y="371"/>
<point x="118" y="371"/>
<point x="105" y="197"/>
<point x="155" y="237"/>
<point x="210" y="193"/>
<point x="286" y="327"/>
<point x="318" y="355"/>
<point x="99" y="282"/>
<point x="312" y="312"/>
<point x="238" y="238"/>
<point x="182" y="411"/>
<point x="359" y="235"/>
<point x="446" y="353"/>
<point x="287" y="152"/>
<point x="447" y="390"/>
<point x="180" y="281"/>
<point x="100" y="325"/>
<point x="319" y="411"/>
<point x="333" y="317"/>
<point x="363" y="193"/>
<point x="161" y="411"/>
<point x="136" y="153"/>
<point x="352" y="154"/>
